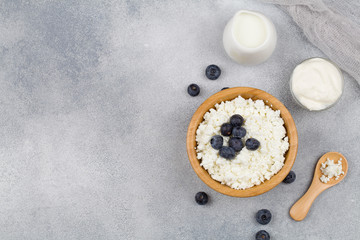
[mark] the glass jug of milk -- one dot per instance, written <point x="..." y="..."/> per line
<point x="249" y="37"/>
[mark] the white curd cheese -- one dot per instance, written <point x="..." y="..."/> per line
<point x="248" y="168"/>
<point x="330" y="170"/>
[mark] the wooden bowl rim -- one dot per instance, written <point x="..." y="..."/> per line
<point x="230" y="94"/>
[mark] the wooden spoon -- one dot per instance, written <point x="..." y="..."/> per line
<point x="300" y="209"/>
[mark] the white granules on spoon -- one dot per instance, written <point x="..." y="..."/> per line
<point x="330" y="170"/>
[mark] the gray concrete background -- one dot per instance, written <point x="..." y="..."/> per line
<point x="93" y="119"/>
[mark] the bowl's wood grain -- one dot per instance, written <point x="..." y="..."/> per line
<point x="226" y="95"/>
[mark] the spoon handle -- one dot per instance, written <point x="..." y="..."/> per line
<point x="300" y="209"/>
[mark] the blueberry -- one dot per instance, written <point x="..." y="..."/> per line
<point x="263" y="216"/>
<point x="236" y="120"/>
<point x="193" y="90"/>
<point x="212" y="72"/>
<point x="239" y="132"/>
<point x="252" y="144"/>
<point x="262" y="235"/>
<point x="236" y="144"/>
<point x="226" y="129"/>
<point x="227" y="152"/>
<point x="290" y="177"/>
<point x="217" y="142"/>
<point x="201" y="198"/>
<point x="224" y="88"/>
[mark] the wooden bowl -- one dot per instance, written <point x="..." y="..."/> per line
<point x="230" y="94"/>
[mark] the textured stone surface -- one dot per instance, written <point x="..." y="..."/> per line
<point x="94" y="113"/>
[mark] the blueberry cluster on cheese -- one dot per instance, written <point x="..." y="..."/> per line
<point x="236" y="132"/>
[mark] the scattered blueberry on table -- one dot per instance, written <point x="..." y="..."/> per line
<point x="193" y="90"/>
<point x="227" y="152"/>
<point x="217" y="142"/>
<point x="201" y="198"/>
<point x="224" y="88"/>
<point x="252" y="144"/>
<point x="262" y="235"/>
<point x="290" y="178"/>
<point x="263" y="216"/>
<point x="236" y="144"/>
<point x="239" y="132"/>
<point x="212" y="72"/>
<point x="226" y="129"/>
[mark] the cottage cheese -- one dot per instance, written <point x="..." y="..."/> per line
<point x="330" y="170"/>
<point x="249" y="168"/>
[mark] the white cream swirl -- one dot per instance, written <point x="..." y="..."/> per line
<point x="317" y="83"/>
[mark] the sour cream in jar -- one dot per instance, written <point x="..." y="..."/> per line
<point x="316" y="84"/>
